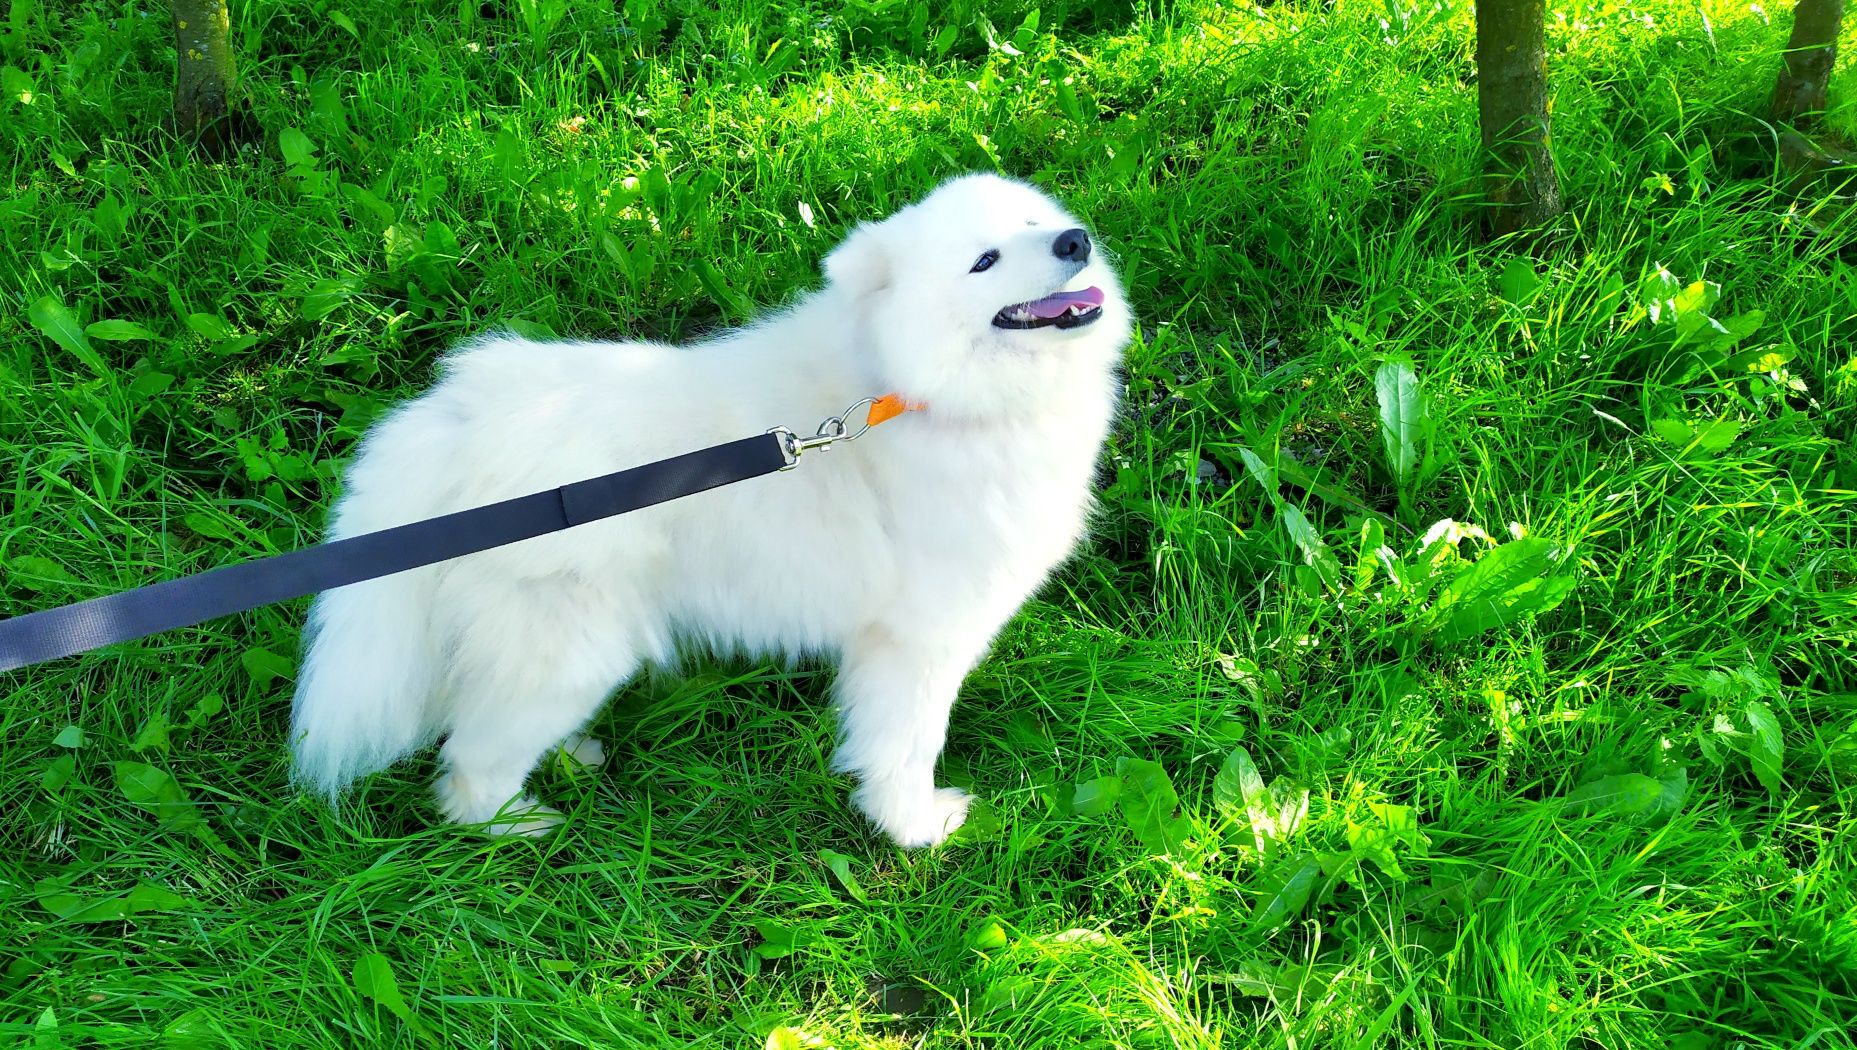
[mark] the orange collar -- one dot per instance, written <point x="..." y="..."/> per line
<point x="889" y="406"/>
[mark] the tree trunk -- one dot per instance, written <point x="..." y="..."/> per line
<point x="208" y="106"/>
<point x="1799" y="96"/>
<point x="1512" y="96"/>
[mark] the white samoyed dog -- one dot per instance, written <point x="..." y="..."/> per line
<point x="900" y="555"/>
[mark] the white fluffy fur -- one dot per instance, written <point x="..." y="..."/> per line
<point x="900" y="555"/>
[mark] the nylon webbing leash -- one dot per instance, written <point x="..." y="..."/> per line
<point x="51" y="634"/>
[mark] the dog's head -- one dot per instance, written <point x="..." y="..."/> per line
<point x="982" y="298"/>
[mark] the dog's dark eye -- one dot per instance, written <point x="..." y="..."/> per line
<point x="987" y="259"/>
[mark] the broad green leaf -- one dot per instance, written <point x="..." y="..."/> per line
<point x="366" y="204"/>
<point x="1673" y="432"/>
<point x="1337" y="866"/>
<point x="1711" y="436"/>
<point x="720" y="292"/>
<point x="840" y="866"/>
<point x="530" y="329"/>
<point x="1373" y="551"/>
<point x="1767" y="747"/>
<point x="1656" y="291"/>
<point x="1327" y="746"/>
<point x="779" y="940"/>
<point x="1673" y="788"/>
<point x="148" y="897"/>
<point x="72" y="907"/>
<point x="1283" y="890"/>
<point x="1768" y="358"/>
<point x="1093" y="798"/>
<point x="1476" y="615"/>
<point x="1377" y="844"/>
<point x="205" y="708"/>
<point x="145" y="898"/>
<point x="1260" y="473"/>
<point x="1292" y="808"/>
<point x="1518" y="281"/>
<point x="1402" y="417"/>
<point x="58" y="772"/>
<point x="154" y="734"/>
<point x="987" y="936"/>
<point x="1315" y="553"/>
<point x="298" y="150"/>
<point x="1452" y="895"/>
<point x="1238" y="782"/>
<point x="70" y="736"/>
<point x="210" y="326"/>
<point x="1624" y="794"/>
<point x="16" y="85"/>
<point x="149" y="384"/>
<point x="265" y="666"/>
<point x="28" y="571"/>
<point x="983" y="824"/>
<point x="1736" y="329"/>
<point x="154" y="790"/>
<point x="327" y="294"/>
<point x="1148" y="802"/>
<point x="1505" y="584"/>
<point x="1696" y="298"/>
<point x="117" y="331"/>
<point x="440" y="239"/>
<point x="402" y="245"/>
<point x="1402" y="822"/>
<point x="1717" y="434"/>
<point x="1067" y="99"/>
<point x="56" y="321"/>
<point x="786" y="1037"/>
<point x="58" y="261"/>
<point x="1239" y="791"/>
<point x="238" y="344"/>
<point x="373" y="977"/>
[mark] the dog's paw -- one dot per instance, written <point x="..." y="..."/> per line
<point x="921" y="821"/>
<point x="584" y="751"/>
<point x="525" y="817"/>
<point x="522" y="815"/>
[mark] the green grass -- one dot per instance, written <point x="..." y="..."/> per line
<point x="1624" y="823"/>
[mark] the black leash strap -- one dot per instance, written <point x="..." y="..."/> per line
<point x="71" y="629"/>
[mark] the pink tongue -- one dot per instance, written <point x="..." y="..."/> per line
<point x="1055" y="305"/>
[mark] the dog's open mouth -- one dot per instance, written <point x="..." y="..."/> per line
<point x="1059" y="310"/>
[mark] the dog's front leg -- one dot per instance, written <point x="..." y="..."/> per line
<point x="894" y="695"/>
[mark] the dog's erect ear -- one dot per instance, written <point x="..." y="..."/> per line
<point x="861" y="263"/>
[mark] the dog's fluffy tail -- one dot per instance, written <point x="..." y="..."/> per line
<point x="364" y="693"/>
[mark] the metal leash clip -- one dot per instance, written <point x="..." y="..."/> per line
<point x="834" y="429"/>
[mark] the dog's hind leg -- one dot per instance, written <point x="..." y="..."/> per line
<point x="533" y="667"/>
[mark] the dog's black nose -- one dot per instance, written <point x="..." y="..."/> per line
<point x="1072" y="246"/>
